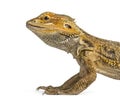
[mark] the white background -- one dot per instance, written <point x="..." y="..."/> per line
<point x="26" y="62"/>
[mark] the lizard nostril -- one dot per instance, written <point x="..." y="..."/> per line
<point x="34" y="21"/>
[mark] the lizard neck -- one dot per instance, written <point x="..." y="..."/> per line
<point x="85" y="42"/>
<point x="88" y="39"/>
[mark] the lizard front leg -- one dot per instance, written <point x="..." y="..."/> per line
<point x="77" y="83"/>
<point x="79" y="86"/>
<point x="66" y="85"/>
<point x="86" y="76"/>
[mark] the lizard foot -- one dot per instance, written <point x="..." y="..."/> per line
<point x="49" y="90"/>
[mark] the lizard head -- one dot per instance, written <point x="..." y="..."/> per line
<point x="56" y="30"/>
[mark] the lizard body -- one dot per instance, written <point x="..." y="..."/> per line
<point x="94" y="55"/>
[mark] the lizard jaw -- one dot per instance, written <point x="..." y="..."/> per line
<point x="30" y="26"/>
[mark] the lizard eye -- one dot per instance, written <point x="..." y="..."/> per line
<point x="46" y="18"/>
<point x="68" y="26"/>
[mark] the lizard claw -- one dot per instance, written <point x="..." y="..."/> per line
<point x="41" y="87"/>
<point x="44" y="87"/>
<point x="49" y="90"/>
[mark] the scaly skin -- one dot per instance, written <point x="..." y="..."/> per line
<point x="94" y="55"/>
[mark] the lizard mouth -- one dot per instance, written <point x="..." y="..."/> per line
<point x="33" y="26"/>
<point x="37" y="26"/>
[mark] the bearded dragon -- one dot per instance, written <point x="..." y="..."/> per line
<point x="94" y="55"/>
